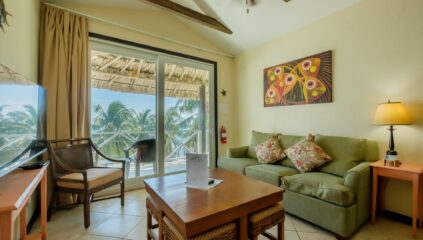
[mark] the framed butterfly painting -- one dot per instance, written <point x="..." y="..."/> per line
<point x="303" y="81"/>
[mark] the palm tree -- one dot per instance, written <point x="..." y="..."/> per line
<point x="181" y="122"/>
<point x="119" y="123"/>
<point x="115" y="123"/>
<point x="145" y="123"/>
<point x="22" y="127"/>
<point x="22" y="121"/>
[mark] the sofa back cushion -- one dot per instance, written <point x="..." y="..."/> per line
<point x="286" y="142"/>
<point x="345" y="152"/>
<point x="256" y="139"/>
<point x="371" y="151"/>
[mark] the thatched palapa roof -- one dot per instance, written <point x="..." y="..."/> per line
<point x="134" y="75"/>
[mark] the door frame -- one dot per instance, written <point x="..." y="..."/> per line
<point x="147" y="52"/>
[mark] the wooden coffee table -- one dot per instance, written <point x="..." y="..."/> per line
<point x="195" y="211"/>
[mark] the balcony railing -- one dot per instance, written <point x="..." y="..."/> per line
<point x="176" y="147"/>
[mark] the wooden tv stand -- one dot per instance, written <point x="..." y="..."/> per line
<point x="16" y="189"/>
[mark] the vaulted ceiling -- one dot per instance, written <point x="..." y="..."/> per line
<point x="266" y="20"/>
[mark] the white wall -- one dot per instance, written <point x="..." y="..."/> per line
<point x="19" y="44"/>
<point x="377" y="55"/>
<point x="19" y="50"/>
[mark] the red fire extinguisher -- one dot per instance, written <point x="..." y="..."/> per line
<point x="223" y="136"/>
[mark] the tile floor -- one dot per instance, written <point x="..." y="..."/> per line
<point x="109" y="221"/>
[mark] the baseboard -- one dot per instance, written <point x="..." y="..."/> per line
<point x="398" y="217"/>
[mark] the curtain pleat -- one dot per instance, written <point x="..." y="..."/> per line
<point x="64" y="74"/>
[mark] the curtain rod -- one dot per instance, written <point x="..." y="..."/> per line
<point x="138" y="30"/>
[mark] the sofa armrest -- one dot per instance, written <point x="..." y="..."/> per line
<point x="357" y="173"/>
<point x="237" y="152"/>
<point x="358" y="178"/>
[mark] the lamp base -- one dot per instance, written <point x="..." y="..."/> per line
<point x="395" y="163"/>
<point x="391" y="159"/>
<point x="391" y="155"/>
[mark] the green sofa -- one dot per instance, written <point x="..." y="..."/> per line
<point x="335" y="196"/>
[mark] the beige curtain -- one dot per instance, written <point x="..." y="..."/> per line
<point x="64" y="74"/>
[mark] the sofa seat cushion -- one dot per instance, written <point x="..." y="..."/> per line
<point x="236" y="164"/>
<point x="95" y="176"/>
<point x="270" y="173"/>
<point x="323" y="186"/>
<point x="345" y="152"/>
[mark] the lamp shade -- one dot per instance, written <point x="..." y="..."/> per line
<point x="391" y="113"/>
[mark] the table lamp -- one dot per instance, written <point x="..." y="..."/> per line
<point x="391" y="113"/>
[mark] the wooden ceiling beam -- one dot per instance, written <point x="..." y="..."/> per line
<point x="191" y="14"/>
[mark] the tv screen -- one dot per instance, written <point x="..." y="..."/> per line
<point x="22" y="120"/>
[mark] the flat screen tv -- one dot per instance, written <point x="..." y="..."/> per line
<point x="22" y="120"/>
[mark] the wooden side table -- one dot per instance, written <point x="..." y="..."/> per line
<point x="407" y="171"/>
<point x="15" y="190"/>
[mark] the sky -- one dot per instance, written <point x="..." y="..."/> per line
<point x="15" y="96"/>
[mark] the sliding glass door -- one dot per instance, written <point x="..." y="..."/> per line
<point x="187" y="100"/>
<point x="123" y="106"/>
<point x="150" y="108"/>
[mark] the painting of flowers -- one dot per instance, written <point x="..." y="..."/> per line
<point x="303" y="81"/>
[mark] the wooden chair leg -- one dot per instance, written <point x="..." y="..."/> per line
<point x="51" y="205"/>
<point x="122" y="193"/>
<point x="281" y="231"/>
<point x="87" y="210"/>
<point x="137" y="168"/>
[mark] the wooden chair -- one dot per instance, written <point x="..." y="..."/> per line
<point x="145" y="152"/>
<point x="262" y="220"/>
<point x="74" y="172"/>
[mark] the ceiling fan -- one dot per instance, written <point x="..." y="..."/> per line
<point x="250" y="3"/>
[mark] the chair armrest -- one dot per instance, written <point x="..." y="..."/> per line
<point x="123" y="162"/>
<point x="358" y="178"/>
<point x="237" y="152"/>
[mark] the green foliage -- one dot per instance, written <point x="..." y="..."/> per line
<point x="118" y="126"/>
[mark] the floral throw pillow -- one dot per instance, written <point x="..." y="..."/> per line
<point x="270" y="151"/>
<point x="307" y="155"/>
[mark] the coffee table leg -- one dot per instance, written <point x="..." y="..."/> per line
<point x="243" y="228"/>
